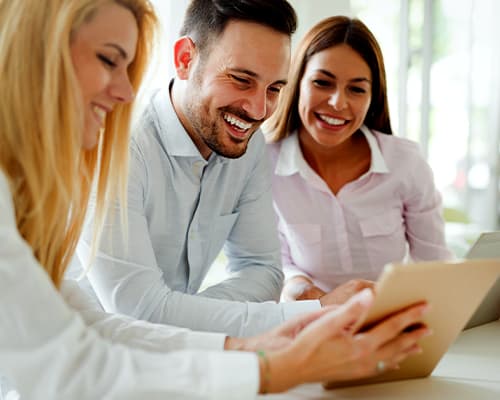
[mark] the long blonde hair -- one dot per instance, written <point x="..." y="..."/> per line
<point x="49" y="174"/>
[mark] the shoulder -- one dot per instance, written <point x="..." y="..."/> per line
<point x="143" y="129"/>
<point x="397" y="150"/>
<point x="7" y="213"/>
<point x="5" y="195"/>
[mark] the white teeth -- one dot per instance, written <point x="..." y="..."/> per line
<point x="101" y="113"/>
<point x="332" y="121"/>
<point x="236" y="122"/>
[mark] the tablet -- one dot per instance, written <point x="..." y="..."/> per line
<point x="486" y="246"/>
<point x="454" y="289"/>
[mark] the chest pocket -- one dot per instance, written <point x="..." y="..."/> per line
<point x="384" y="238"/>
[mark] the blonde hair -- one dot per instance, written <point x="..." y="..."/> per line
<point x="41" y="126"/>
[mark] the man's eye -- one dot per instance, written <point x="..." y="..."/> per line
<point x="240" y="80"/>
<point x="275" y="89"/>
<point x="106" y="61"/>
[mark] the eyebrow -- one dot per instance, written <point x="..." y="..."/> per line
<point x="256" y="75"/>
<point x="120" y="49"/>
<point x="328" y="73"/>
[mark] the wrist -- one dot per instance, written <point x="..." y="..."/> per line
<point x="235" y="344"/>
<point x="277" y="371"/>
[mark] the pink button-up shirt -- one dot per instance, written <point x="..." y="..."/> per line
<point x="390" y="214"/>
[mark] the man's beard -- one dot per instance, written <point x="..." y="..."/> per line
<point x="211" y="133"/>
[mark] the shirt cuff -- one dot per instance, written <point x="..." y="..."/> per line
<point x="293" y="308"/>
<point x="205" y="340"/>
<point x="293" y="272"/>
<point x="238" y="369"/>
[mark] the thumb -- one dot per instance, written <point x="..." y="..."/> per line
<point x="347" y="317"/>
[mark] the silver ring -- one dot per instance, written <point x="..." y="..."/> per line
<point x="380" y="366"/>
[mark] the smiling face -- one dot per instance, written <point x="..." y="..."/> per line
<point x="232" y="88"/>
<point x="335" y="95"/>
<point x="101" y="51"/>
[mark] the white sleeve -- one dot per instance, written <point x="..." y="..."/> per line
<point x="136" y="333"/>
<point x="48" y="352"/>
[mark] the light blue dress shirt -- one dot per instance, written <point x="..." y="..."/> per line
<point x="182" y="210"/>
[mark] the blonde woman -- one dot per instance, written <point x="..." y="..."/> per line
<point x="69" y="71"/>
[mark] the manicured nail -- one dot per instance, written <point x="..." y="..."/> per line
<point x="365" y="297"/>
<point x="428" y="332"/>
<point x="426" y="308"/>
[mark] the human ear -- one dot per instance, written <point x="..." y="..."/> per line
<point x="184" y="51"/>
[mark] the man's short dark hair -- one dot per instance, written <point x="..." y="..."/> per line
<point x="207" y="19"/>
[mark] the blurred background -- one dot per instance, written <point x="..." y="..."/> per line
<point x="443" y="62"/>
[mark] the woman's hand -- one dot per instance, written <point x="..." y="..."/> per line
<point x="326" y="345"/>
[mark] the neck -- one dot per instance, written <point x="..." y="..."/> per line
<point x="177" y="96"/>
<point x="340" y="164"/>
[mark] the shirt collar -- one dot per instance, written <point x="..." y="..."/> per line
<point x="177" y="141"/>
<point x="378" y="164"/>
<point x="291" y="161"/>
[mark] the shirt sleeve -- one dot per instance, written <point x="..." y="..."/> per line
<point x="253" y="248"/>
<point x="136" y="333"/>
<point x="47" y="351"/>
<point x="127" y="279"/>
<point x="423" y="215"/>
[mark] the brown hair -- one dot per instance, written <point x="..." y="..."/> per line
<point x="328" y="33"/>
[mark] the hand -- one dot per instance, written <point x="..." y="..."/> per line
<point x="301" y="288"/>
<point x="278" y="338"/>
<point x="344" y="292"/>
<point x="330" y="348"/>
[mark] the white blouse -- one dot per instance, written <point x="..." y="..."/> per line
<point x="49" y="350"/>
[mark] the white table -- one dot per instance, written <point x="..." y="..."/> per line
<point x="469" y="370"/>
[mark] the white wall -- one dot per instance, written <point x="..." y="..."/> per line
<point x="310" y="12"/>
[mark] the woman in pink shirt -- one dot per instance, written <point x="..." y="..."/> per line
<point x="350" y="197"/>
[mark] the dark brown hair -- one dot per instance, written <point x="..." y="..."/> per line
<point x="328" y="33"/>
<point x="205" y="20"/>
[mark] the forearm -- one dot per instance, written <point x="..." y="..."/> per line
<point x="252" y="283"/>
<point x="137" y="333"/>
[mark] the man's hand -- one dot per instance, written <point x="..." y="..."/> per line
<point x="344" y="292"/>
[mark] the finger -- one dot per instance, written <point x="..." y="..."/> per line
<point x="393" y="326"/>
<point x="297" y="324"/>
<point x="404" y="345"/>
<point x="352" y="313"/>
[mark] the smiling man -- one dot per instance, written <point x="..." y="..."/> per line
<point x="200" y="181"/>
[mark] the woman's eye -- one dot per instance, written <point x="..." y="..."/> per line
<point x="357" y="89"/>
<point x="321" y="83"/>
<point x="106" y="61"/>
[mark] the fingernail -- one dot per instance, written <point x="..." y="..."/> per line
<point x="365" y="297"/>
<point x="426" y="308"/>
<point x="428" y="332"/>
